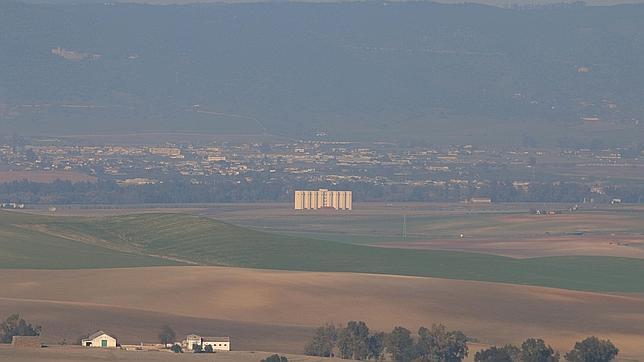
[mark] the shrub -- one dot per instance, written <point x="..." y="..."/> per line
<point x="592" y="349"/>
<point x="275" y="358"/>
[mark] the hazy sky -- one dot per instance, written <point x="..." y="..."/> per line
<point x="489" y="2"/>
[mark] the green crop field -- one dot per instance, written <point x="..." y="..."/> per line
<point x="23" y="245"/>
<point x="30" y="241"/>
<point x="367" y="225"/>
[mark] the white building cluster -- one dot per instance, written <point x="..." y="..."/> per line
<point x="323" y="199"/>
<point x="217" y="343"/>
<point x="191" y="343"/>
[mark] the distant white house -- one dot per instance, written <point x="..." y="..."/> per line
<point x="481" y="200"/>
<point x="12" y="205"/>
<point x="99" y="339"/>
<point x="191" y="341"/>
<point x="217" y="343"/>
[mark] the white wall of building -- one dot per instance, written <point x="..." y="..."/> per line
<point x="323" y="198"/>
<point x="103" y="340"/>
<point x="299" y="200"/>
<point x="217" y="343"/>
<point x="217" y="346"/>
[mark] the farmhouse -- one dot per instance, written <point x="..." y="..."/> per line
<point x="217" y="343"/>
<point x="191" y="341"/>
<point x="99" y="339"/>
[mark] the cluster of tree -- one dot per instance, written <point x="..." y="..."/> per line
<point x="591" y="349"/>
<point x="356" y="342"/>
<point x="167" y="335"/>
<point x="532" y="350"/>
<point x="261" y="190"/>
<point x="171" y="191"/>
<point x="16" y="326"/>
<point x="275" y="358"/>
<point x="199" y="349"/>
<point x="438" y="344"/>
<point x="501" y="191"/>
<point x="498" y="191"/>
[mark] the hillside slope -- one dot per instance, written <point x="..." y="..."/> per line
<point x="25" y="244"/>
<point x="278" y="310"/>
<point x="209" y="242"/>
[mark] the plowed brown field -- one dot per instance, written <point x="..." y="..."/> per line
<point x="276" y="310"/>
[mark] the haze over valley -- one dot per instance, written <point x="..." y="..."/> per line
<point x="355" y="71"/>
<point x="321" y="181"/>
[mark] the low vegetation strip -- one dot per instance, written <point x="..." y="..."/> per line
<point x="210" y="242"/>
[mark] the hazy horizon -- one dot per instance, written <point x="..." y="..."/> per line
<point x="498" y="3"/>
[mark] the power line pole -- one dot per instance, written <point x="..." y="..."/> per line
<point x="404" y="230"/>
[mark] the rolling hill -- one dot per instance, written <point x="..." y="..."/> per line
<point x="161" y="239"/>
<point x="23" y="245"/>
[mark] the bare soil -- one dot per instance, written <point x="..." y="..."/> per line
<point x="277" y="310"/>
<point x="619" y="245"/>
<point x="70" y="354"/>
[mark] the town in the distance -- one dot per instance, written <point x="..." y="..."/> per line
<point x="249" y="171"/>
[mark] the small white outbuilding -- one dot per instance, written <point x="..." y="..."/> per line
<point x="217" y="343"/>
<point x="99" y="339"/>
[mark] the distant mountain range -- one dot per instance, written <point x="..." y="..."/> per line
<point x="355" y="70"/>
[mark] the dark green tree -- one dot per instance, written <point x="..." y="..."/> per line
<point x="208" y="349"/>
<point x="376" y="346"/>
<point x="439" y="344"/>
<point x="16" y="326"/>
<point x="400" y="344"/>
<point x="507" y="353"/>
<point x="345" y="344"/>
<point x="167" y="335"/>
<point x="424" y="344"/>
<point x="275" y="358"/>
<point x="322" y="342"/>
<point x="176" y="348"/>
<point x="197" y="348"/>
<point x="357" y="335"/>
<point x="536" y="350"/>
<point x="592" y="349"/>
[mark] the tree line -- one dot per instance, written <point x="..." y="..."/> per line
<point x="438" y="344"/>
<point x="261" y="190"/>
<point x="16" y="326"/>
<point x="591" y="349"/>
<point x="355" y="341"/>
